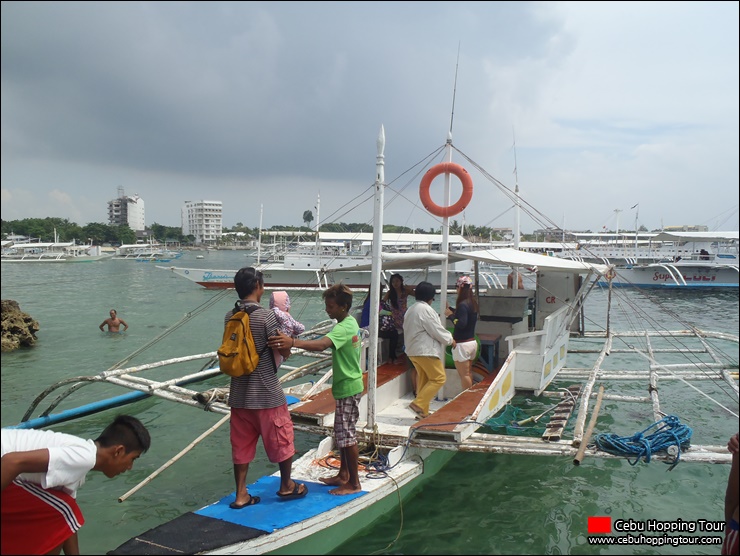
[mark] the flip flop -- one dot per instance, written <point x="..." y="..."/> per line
<point x="416" y="409"/>
<point x="251" y="502"/>
<point x="297" y="492"/>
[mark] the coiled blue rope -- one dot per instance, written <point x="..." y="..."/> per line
<point x="670" y="432"/>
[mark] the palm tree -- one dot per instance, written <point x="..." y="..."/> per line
<point x="308" y="218"/>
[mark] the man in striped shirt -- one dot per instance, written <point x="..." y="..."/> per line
<point x="258" y="404"/>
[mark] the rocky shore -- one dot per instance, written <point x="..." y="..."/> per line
<point x="18" y="328"/>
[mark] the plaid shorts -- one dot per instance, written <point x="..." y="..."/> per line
<point x="345" y="418"/>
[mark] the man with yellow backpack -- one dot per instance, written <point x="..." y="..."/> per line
<point x="258" y="404"/>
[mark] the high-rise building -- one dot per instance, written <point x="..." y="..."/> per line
<point x="126" y="210"/>
<point x="202" y="219"/>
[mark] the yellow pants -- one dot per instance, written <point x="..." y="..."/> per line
<point x="431" y="377"/>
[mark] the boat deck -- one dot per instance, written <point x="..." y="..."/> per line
<point x="442" y="424"/>
<point x="322" y="404"/>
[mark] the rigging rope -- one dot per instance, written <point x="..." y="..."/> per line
<point x="670" y="433"/>
<point x="202" y="307"/>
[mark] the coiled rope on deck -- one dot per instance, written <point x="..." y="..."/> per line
<point x="669" y="432"/>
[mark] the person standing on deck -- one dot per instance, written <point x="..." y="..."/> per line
<point x="346" y="385"/>
<point x="41" y="473"/>
<point x="258" y="404"/>
<point x="386" y="327"/>
<point x="510" y="280"/>
<point x="114" y="323"/>
<point x="397" y="298"/>
<point x="425" y="337"/>
<point x="464" y="317"/>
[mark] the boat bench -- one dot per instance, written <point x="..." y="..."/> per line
<point x="319" y="409"/>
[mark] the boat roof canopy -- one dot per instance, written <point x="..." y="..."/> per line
<point x="504" y="256"/>
<point x="515" y="258"/>
<point x="696" y="236"/>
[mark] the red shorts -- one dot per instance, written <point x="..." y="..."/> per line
<point x="37" y="520"/>
<point x="273" y="425"/>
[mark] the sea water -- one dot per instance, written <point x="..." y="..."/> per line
<point x="478" y="504"/>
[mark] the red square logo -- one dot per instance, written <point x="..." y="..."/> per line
<point x="599" y="524"/>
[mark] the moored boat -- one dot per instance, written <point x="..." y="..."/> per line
<point x="521" y="354"/>
<point x="333" y="258"/>
<point x="625" y="249"/>
<point x="146" y="252"/>
<point x="698" y="260"/>
<point x="279" y="277"/>
<point x="51" y="252"/>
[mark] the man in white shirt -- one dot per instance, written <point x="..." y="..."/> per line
<point x="425" y="338"/>
<point x="41" y="472"/>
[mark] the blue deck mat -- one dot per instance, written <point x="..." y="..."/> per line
<point x="273" y="512"/>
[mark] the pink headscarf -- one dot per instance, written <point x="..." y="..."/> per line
<point x="281" y="300"/>
<point x="464" y="281"/>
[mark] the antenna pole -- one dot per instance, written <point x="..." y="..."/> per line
<point x="518" y="214"/>
<point x="454" y="88"/>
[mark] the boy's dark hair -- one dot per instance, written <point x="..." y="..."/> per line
<point x="246" y="281"/>
<point x="425" y="291"/>
<point x="126" y="430"/>
<point x="341" y="295"/>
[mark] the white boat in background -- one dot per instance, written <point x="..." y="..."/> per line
<point x="695" y="260"/>
<point x="146" y="252"/>
<point x="340" y="257"/>
<point x="646" y="247"/>
<point x="51" y="252"/>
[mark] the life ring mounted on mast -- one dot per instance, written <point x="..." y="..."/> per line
<point x="446" y="168"/>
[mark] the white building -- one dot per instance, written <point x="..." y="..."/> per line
<point x="202" y="219"/>
<point x="127" y="210"/>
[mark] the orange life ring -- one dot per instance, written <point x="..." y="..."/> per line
<point x="446" y="168"/>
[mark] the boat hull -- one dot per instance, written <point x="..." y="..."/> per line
<point x="675" y="275"/>
<point x="55" y="259"/>
<point x="302" y="279"/>
<point x="316" y="524"/>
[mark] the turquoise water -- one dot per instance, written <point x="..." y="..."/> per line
<point x="479" y="504"/>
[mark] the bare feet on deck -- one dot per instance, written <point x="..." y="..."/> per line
<point x="336" y="480"/>
<point x="345" y="488"/>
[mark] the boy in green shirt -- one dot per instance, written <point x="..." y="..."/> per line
<point x="347" y="385"/>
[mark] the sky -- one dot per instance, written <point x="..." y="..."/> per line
<point x="611" y="113"/>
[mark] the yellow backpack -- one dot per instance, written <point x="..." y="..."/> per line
<point x="238" y="354"/>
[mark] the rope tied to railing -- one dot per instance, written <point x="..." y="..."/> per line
<point x="670" y="436"/>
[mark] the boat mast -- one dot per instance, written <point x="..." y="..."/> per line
<point x="445" y="237"/>
<point x="372" y="371"/>
<point x="637" y="206"/>
<point x="446" y="219"/>
<point x="259" y="240"/>
<point x="517" y="213"/>
<point x="318" y="241"/>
